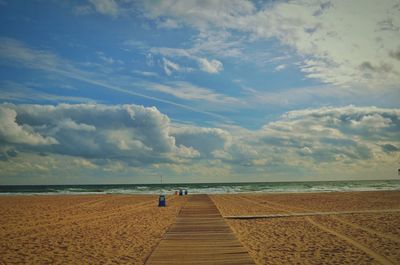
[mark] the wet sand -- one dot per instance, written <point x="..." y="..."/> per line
<point x="362" y="238"/>
<point x="121" y="229"/>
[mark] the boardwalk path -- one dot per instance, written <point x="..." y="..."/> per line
<point x="200" y="236"/>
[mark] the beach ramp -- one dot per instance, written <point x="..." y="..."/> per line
<point x="199" y="236"/>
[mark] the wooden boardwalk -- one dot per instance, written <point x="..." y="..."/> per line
<point x="200" y="236"/>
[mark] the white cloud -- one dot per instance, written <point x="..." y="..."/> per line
<point x="127" y="132"/>
<point x="23" y="56"/>
<point x="372" y="122"/>
<point x="149" y="59"/>
<point x="170" y="67"/>
<point x="145" y="73"/>
<point x="316" y="96"/>
<point x="68" y="124"/>
<point x="212" y="67"/>
<point x="169" y="24"/>
<point x="121" y="137"/>
<point x="188" y="152"/>
<point x="342" y="43"/>
<point x="312" y="140"/>
<point x="83" y="10"/>
<point x="220" y="42"/>
<point x="80" y="162"/>
<point x="125" y="141"/>
<point x="280" y="67"/>
<point x="335" y="41"/>
<point x="108" y="59"/>
<point x="13" y="133"/>
<point x="11" y="91"/>
<point x="106" y="7"/>
<point x="131" y="134"/>
<point x="17" y="52"/>
<point x="197" y="13"/>
<point x="187" y="91"/>
<point x="326" y="133"/>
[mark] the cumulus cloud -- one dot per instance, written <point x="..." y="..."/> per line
<point x="68" y="124"/>
<point x="205" y="140"/>
<point x="330" y="134"/>
<point x="115" y="138"/>
<point x="374" y="122"/>
<point x="14" y="133"/>
<point x="132" y="134"/>
<point x="128" y="132"/>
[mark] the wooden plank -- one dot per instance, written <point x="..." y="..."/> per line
<point x="199" y="236"/>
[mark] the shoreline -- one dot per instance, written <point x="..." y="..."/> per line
<point x="255" y="193"/>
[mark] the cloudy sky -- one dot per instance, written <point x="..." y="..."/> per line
<point x="108" y="91"/>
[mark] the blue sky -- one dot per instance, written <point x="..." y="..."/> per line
<point x="106" y="91"/>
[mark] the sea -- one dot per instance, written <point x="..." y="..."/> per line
<point x="208" y="188"/>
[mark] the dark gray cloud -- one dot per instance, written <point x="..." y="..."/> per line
<point x="323" y="7"/>
<point x="205" y="140"/>
<point x="395" y="54"/>
<point x="381" y="68"/>
<point x="389" y="148"/>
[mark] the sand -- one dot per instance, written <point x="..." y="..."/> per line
<point x="108" y="229"/>
<point x="122" y="229"/>
<point x="362" y="238"/>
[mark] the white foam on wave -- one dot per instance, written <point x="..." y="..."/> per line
<point x="284" y="187"/>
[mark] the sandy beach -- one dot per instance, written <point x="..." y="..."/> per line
<point x="107" y="229"/>
<point x="122" y="229"/>
<point x="362" y="238"/>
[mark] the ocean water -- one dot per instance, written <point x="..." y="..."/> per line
<point x="209" y="188"/>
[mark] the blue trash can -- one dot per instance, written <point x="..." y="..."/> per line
<point x="161" y="201"/>
<point x="186" y="192"/>
<point x="180" y="192"/>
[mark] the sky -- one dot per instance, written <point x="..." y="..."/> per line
<point x="108" y="91"/>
